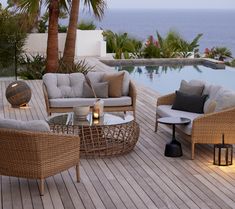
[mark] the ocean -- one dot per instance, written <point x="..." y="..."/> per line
<point x="217" y="26"/>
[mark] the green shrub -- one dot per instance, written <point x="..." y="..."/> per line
<point x="86" y="25"/>
<point x="218" y="53"/>
<point x="122" y="45"/>
<point x="32" y="66"/>
<point x="12" y="37"/>
<point x="171" y="46"/>
<point x="62" y="28"/>
<point x="78" y="67"/>
<point x="151" y="49"/>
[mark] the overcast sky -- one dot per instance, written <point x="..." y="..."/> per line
<point x="167" y="4"/>
<point x="172" y="4"/>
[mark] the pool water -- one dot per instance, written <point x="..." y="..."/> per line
<point x="166" y="79"/>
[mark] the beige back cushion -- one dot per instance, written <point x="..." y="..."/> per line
<point x="64" y="85"/>
<point x="97" y="77"/>
<point x="192" y="87"/>
<point x="115" y="82"/>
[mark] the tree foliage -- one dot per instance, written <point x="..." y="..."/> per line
<point x="86" y="25"/>
<point x="171" y="46"/>
<point x="122" y="45"/>
<point x="12" y="36"/>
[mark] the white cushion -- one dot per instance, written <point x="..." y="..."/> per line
<point x="71" y="102"/>
<point x="34" y="125"/>
<point x="166" y="111"/>
<point x="224" y="99"/>
<point x="121" y="101"/>
<point x="211" y="91"/>
<point x="64" y="85"/>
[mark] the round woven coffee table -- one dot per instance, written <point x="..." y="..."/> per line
<point x="110" y="135"/>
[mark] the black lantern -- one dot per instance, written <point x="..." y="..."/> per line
<point x="223" y="154"/>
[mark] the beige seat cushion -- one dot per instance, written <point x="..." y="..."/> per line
<point x="34" y="125"/>
<point x="108" y="102"/>
<point x="115" y="81"/>
<point x="166" y="111"/>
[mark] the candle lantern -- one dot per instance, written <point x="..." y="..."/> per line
<point x="18" y="94"/>
<point x="223" y="154"/>
<point x="98" y="109"/>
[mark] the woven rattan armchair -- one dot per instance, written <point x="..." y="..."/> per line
<point x="37" y="155"/>
<point x="208" y="128"/>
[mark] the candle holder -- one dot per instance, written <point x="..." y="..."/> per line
<point x="98" y="109"/>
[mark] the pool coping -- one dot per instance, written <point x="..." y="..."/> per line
<point x="215" y="64"/>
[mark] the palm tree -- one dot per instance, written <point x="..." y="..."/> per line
<point x="98" y="7"/>
<point x="223" y="53"/>
<point x="33" y="8"/>
<point x="52" y="63"/>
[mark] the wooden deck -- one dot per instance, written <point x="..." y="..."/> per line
<point x="141" y="179"/>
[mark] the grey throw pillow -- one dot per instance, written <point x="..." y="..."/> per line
<point x="189" y="103"/>
<point x="34" y="125"/>
<point x="188" y="88"/>
<point x="101" y="90"/>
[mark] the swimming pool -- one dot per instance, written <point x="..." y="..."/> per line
<point x="166" y="79"/>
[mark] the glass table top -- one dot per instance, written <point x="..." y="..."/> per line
<point x="107" y="119"/>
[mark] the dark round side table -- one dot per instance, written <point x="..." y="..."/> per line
<point x="173" y="149"/>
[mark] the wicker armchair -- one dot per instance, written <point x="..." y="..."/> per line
<point x="37" y="155"/>
<point x="208" y="128"/>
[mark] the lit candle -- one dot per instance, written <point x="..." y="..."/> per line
<point x="95" y="121"/>
<point x="96" y="114"/>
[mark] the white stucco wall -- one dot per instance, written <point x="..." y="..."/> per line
<point x="88" y="43"/>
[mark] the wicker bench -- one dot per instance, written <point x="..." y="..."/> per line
<point x="60" y="103"/>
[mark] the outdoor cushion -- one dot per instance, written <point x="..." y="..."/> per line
<point x="101" y="90"/>
<point x="115" y="81"/>
<point x="96" y="77"/>
<point x="64" y="85"/>
<point x="34" y="125"/>
<point x="211" y="107"/>
<point x="224" y="99"/>
<point x="211" y="91"/>
<point x="189" y="103"/>
<point x="108" y="102"/>
<point x="166" y="111"/>
<point x="192" y="87"/>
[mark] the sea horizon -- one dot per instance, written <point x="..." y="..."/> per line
<point x="216" y="24"/>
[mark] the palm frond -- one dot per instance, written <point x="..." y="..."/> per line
<point x="98" y="7"/>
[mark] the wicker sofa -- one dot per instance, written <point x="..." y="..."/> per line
<point x="36" y="153"/>
<point x="204" y="128"/>
<point x="64" y="91"/>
